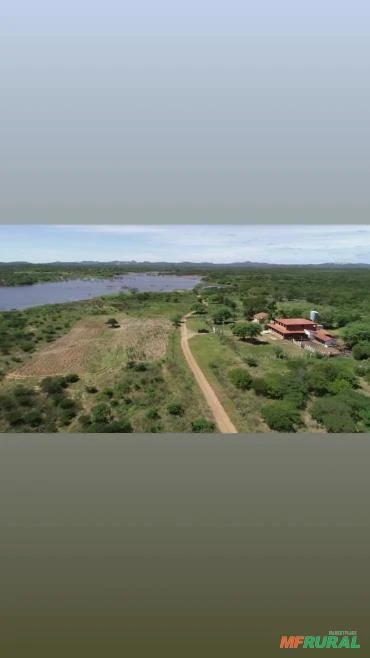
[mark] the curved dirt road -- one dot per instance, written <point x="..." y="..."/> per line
<point x="222" y="420"/>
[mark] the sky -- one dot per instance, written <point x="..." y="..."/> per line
<point x="156" y="111"/>
<point x="295" y="244"/>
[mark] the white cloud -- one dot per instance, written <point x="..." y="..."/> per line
<point x="224" y="243"/>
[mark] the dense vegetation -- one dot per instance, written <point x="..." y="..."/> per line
<point x="48" y="409"/>
<point x="288" y="386"/>
<point x="22" y="274"/>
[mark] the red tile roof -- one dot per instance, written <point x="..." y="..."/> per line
<point x="293" y="321"/>
<point x="322" y="335"/>
<point x="284" y="330"/>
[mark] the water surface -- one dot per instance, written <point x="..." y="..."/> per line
<point x="58" y="292"/>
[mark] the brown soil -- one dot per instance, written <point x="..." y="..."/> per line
<point x="91" y="339"/>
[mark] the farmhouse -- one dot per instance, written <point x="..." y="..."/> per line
<point x="301" y="329"/>
<point x="260" y="318"/>
<point x="292" y="327"/>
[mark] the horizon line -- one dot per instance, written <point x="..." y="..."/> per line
<point x="184" y="262"/>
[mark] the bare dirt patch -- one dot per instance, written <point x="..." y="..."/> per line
<point x="91" y="345"/>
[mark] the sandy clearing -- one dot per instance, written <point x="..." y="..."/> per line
<point x="91" y="340"/>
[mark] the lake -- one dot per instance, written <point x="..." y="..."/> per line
<point x="58" y="292"/>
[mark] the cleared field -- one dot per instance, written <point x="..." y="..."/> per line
<point x="93" y="347"/>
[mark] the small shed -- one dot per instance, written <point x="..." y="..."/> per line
<point x="261" y="318"/>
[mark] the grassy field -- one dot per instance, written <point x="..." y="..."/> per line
<point x="196" y="323"/>
<point x="216" y="360"/>
<point x="128" y="375"/>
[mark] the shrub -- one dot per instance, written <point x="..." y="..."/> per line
<point x="140" y="367"/>
<point x="33" y="418"/>
<point x="355" y="401"/>
<point x="259" y="386"/>
<point x="67" y="415"/>
<point x="251" y="361"/>
<point x="152" y="414"/>
<point x="358" y="332"/>
<point x="340" y="413"/>
<point x="24" y="396"/>
<point x="91" y="389"/>
<point x="330" y="412"/>
<point x="14" y="418"/>
<point x="116" y="426"/>
<point x="53" y="385"/>
<point x="365" y="416"/>
<point x="176" y="320"/>
<point x="339" y="386"/>
<point x="279" y="352"/>
<point x="101" y="413"/>
<point x="108" y="392"/>
<point x="361" y="351"/>
<point x="240" y="378"/>
<point x="276" y="385"/>
<point x="84" y="420"/>
<point x="71" y="378"/>
<point x="296" y="397"/>
<point x="281" y="416"/>
<point x="27" y="347"/>
<point x="202" y="425"/>
<point x="321" y="377"/>
<point x="176" y="409"/>
<point x="67" y="403"/>
<point x="6" y="403"/>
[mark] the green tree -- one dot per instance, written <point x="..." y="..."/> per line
<point x="221" y="315"/>
<point x="53" y="385"/>
<point x="247" y="330"/>
<point x="281" y="416"/>
<point x="113" y="323"/>
<point x="176" y="320"/>
<point x="356" y="333"/>
<point x="199" y="309"/>
<point x="101" y="413"/>
<point x="241" y="330"/>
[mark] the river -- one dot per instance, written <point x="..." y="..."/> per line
<point x="74" y="290"/>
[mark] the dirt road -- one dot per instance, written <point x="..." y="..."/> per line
<point x="222" y="419"/>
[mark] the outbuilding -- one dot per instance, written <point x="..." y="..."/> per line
<point x="261" y="318"/>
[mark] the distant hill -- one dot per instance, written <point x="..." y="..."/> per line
<point x="183" y="265"/>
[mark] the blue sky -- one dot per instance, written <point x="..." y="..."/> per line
<point x="223" y="244"/>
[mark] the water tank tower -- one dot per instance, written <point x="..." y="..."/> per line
<point x="314" y="316"/>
